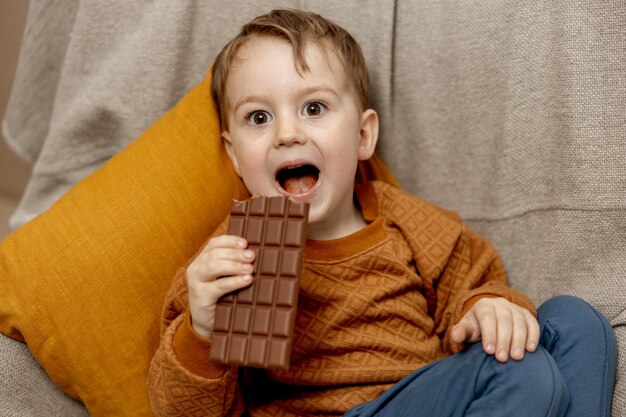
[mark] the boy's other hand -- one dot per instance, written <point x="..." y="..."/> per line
<point x="224" y="257"/>
<point x="506" y="329"/>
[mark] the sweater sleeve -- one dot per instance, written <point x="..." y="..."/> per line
<point x="457" y="266"/>
<point x="181" y="381"/>
<point x="474" y="271"/>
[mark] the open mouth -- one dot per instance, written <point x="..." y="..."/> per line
<point x="297" y="179"/>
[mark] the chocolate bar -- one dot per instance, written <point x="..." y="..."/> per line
<point x="254" y="326"/>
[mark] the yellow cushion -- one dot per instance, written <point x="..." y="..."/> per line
<point x="83" y="284"/>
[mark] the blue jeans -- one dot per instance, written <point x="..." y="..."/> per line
<point x="572" y="373"/>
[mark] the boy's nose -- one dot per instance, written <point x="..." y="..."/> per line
<point x="288" y="134"/>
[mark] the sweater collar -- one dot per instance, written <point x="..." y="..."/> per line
<point x="355" y="243"/>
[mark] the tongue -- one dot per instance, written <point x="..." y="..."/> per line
<point x="299" y="185"/>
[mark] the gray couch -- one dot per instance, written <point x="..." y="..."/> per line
<point x="511" y="113"/>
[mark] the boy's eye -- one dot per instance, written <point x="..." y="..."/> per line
<point x="258" y="117"/>
<point x="314" y="108"/>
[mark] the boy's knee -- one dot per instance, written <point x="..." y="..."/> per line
<point x="538" y="381"/>
<point x="537" y="370"/>
<point x="574" y="316"/>
<point x="542" y="382"/>
<point x="567" y="305"/>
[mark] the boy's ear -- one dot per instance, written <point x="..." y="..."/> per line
<point x="368" y="135"/>
<point x="229" y="149"/>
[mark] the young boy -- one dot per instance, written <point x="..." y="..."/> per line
<point x="390" y="283"/>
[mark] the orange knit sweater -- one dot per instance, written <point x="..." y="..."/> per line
<point x="373" y="307"/>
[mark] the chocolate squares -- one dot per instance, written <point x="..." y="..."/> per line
<point x="254" y="326"/>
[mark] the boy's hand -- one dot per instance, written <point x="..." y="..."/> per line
<point x="224" y="257"/>
<point x="506" y="329"/>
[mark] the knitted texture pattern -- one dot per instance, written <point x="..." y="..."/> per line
<point x="373" y="307"/>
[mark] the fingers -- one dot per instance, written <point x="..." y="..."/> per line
<point x="222" y="256"/>
<point x="518" y="336"/>
<point x="534" y="332"/>
<point x="464" y="331"/>
<point x="502" y="334"/>
<point x="221" y="263"/>
<point x="506" y="329"/>
<point x="486" y="318"/>
<point x="467" y="330"/>
<point x="224" y="265"/>
<point x="206" y="295"/>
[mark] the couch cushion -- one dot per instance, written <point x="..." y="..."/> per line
<point x="83" y="283"/>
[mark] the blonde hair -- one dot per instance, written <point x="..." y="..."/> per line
<point x="298" y="28"/>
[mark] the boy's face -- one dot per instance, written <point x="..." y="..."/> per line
<point x="294" y="135"/>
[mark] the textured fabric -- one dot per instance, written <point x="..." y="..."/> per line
<point x="583" y="345"/>
<point x="514" y="115"/>
<point x="83" y="284"/>
<point x="92" y="76"/>
<point x="510" y="113"/>
<point x="26" y="389"/>
<point x="532" y="387"/>
<point x="356" y="332"/>
<point x="576" y="360"/>
<point x="110" y="247"/>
